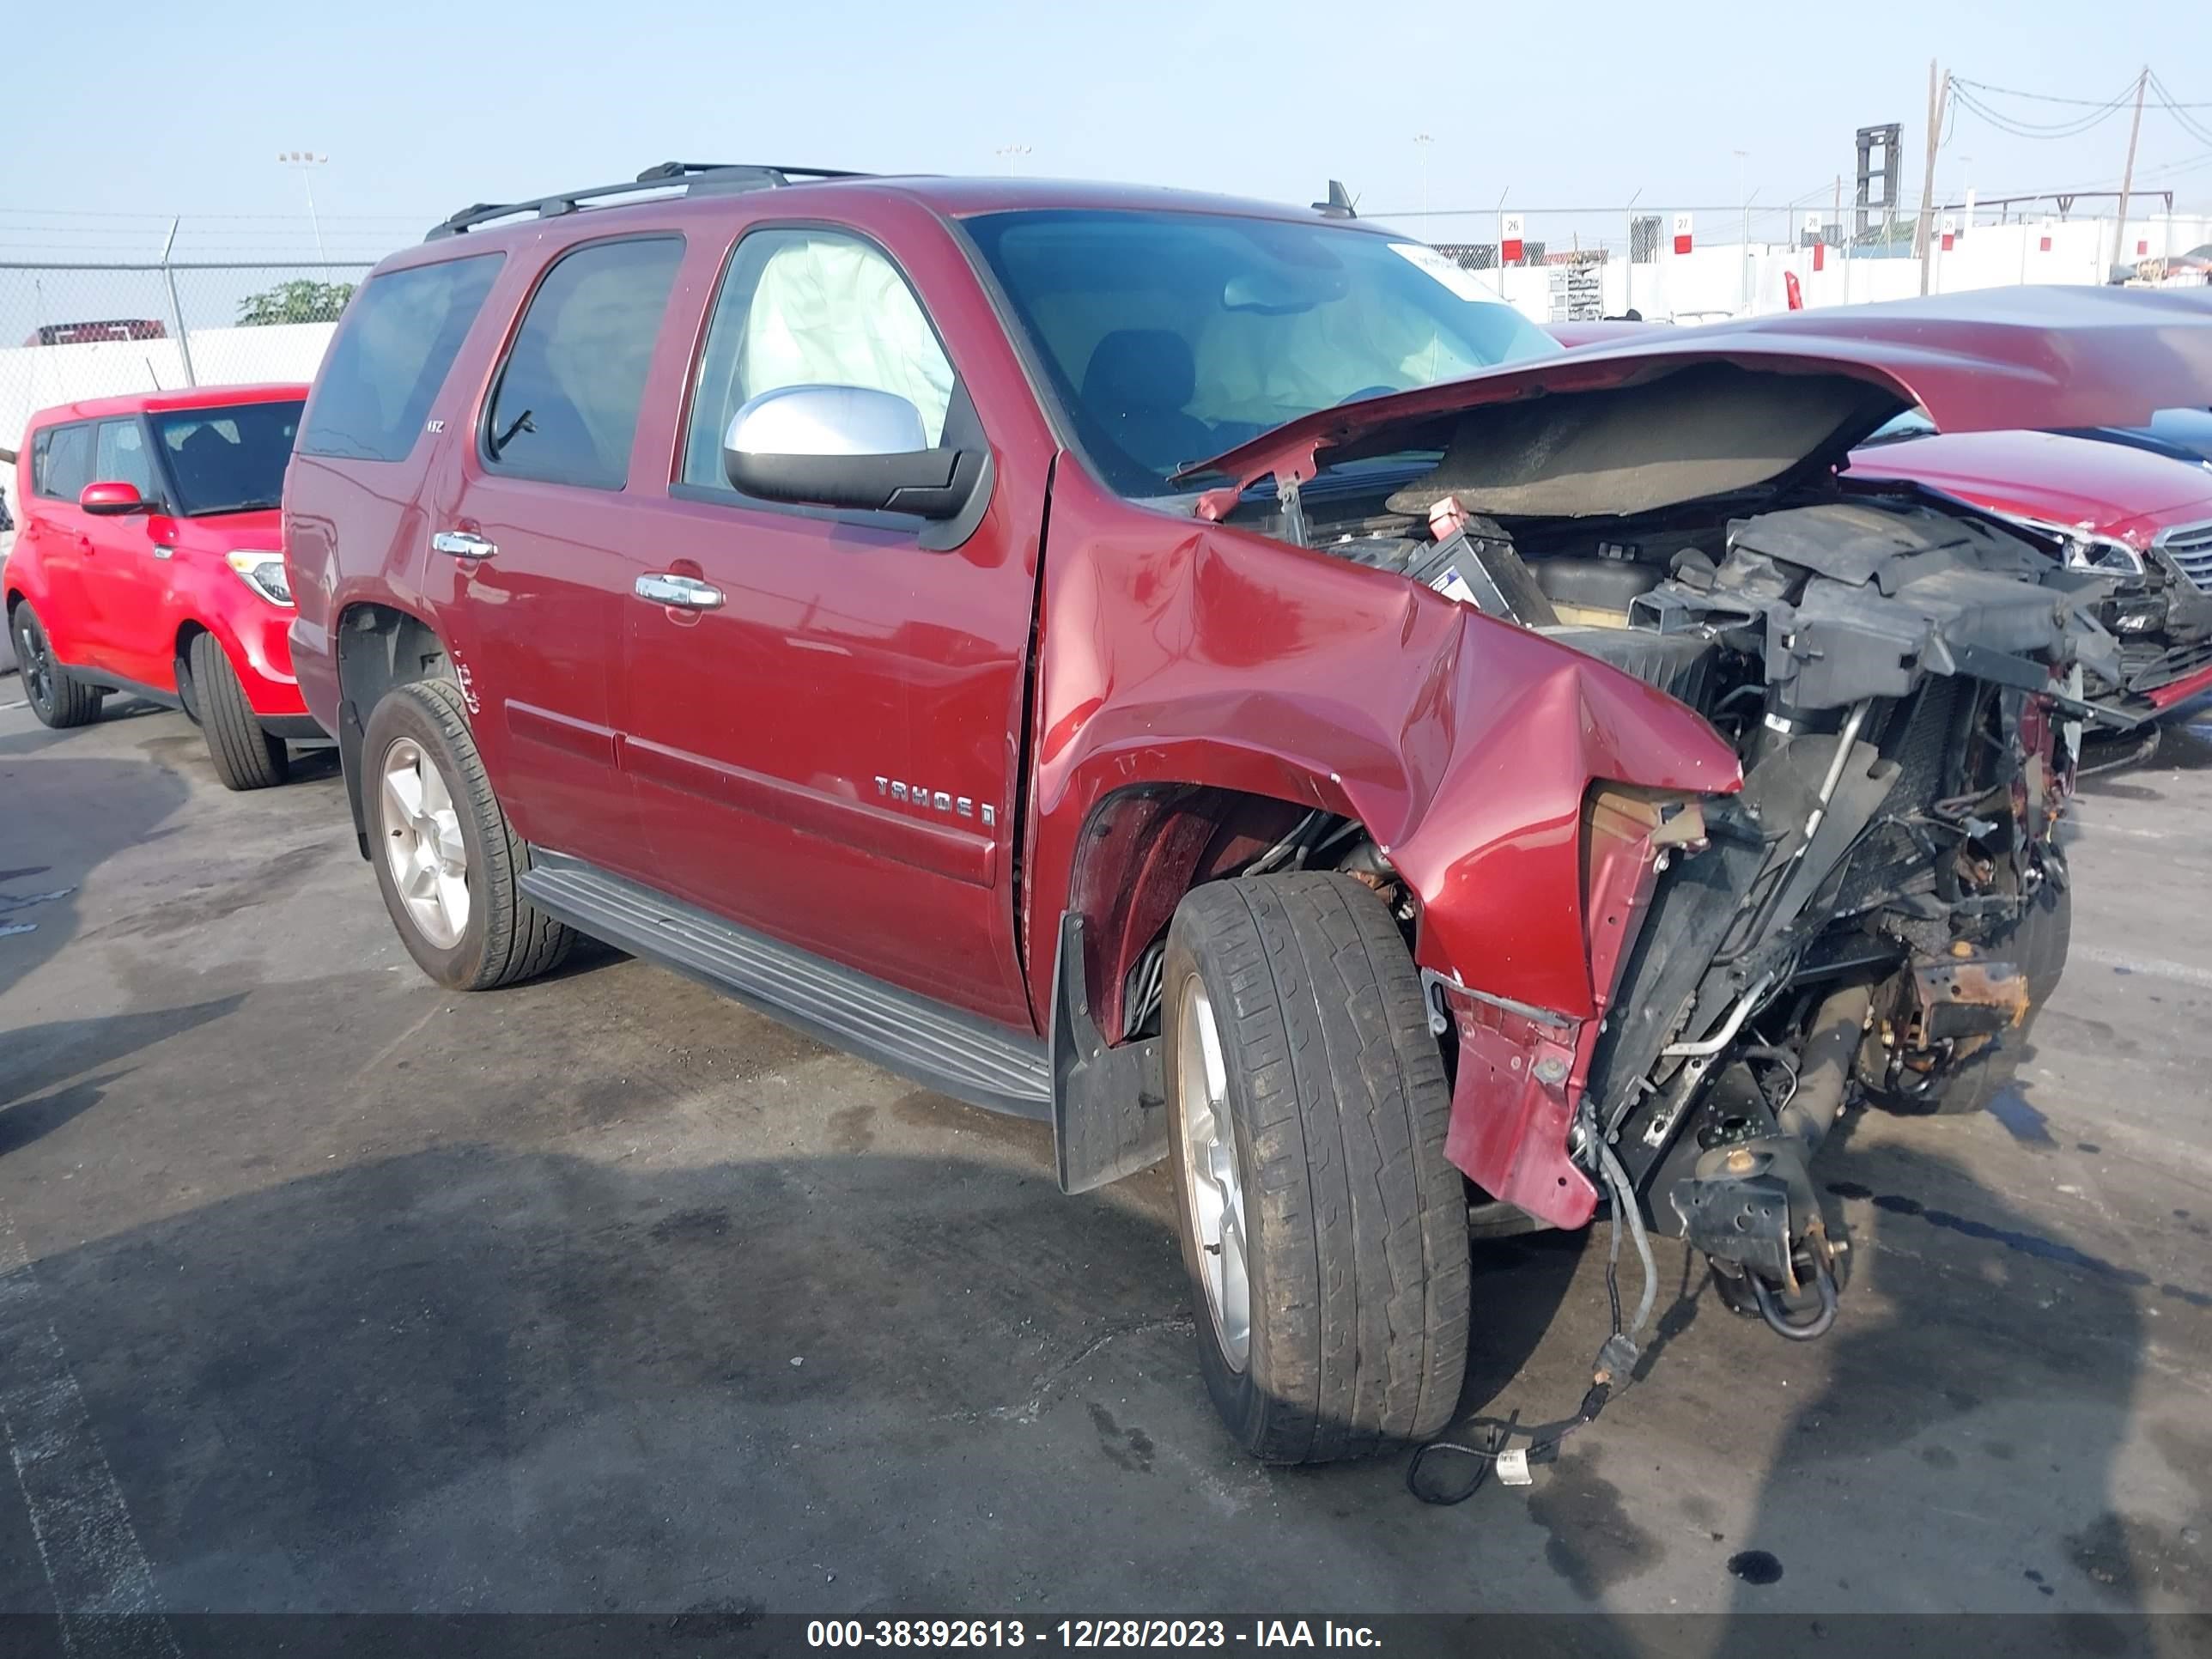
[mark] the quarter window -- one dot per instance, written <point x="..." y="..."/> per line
<point x="400" y="335"/>
<point x="811" y="307"/>
<point x="61" y="462"/>
<point x="565" y="408"/>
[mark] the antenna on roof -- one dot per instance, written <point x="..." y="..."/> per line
<point x="1339" y="204"/>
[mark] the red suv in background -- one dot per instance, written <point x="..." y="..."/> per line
<point x="148" y="561"/>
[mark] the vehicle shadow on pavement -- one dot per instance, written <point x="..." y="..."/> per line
<point x="470" y="1378"/>
<point x="24" y="1120"/>
<point x="39" y="1056"/>
<point x="1972" y="1422"/>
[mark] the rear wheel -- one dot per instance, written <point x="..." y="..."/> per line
<point x="445" y="859"/>
<point x="55" y="697"/>
<point x="1324" y="1232"/>
<point x="245" y="756"/>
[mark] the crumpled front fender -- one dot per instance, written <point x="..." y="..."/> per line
<point x="1199" y="654"/>
<point x="1465" y="746"/>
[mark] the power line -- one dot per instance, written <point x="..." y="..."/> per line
<point x="2054" y="98"/>
<point x="2188" y="124"/>
<point x="2071" y="128"/>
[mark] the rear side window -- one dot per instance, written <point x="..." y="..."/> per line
<point x="61" y="462"/>
<point x="399" y="337"/>
<point x="565" y="407"/>
<point x="119" y="457"/>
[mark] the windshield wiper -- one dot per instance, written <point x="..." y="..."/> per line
<point x="249" y="505"/>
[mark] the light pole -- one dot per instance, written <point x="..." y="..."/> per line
<point x="1628" y="267"/>
<point x="1011" y="154"/>
<point x="1424" y="141"/>
<point x="306" y="161"/>
<point x="1743" y="262"/>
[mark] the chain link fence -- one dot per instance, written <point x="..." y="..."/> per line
<point x="72" y="331"/>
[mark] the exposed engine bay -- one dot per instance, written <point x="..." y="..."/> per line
<point x="1880" y="911"/>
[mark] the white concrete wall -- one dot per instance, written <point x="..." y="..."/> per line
<point x="33" y="378"/>
<point x="1728" y="280"/>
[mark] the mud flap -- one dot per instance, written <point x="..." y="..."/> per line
<point x="1108" y="1103"/>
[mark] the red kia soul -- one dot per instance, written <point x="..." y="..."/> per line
<point x="148" y="561"/>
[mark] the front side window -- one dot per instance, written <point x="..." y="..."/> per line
<point x="811" y="307"/>
<point x="119" y="457"/>
<point x="565" y="407"/>
<point x="399" y="335"/>
<point x="1171" y="337"/>
<point x="226" y="460"/>
<point x="61" y="462"/>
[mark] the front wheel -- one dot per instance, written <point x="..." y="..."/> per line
<point x="245" y="756"/>
<point x="1323" y="1231"/>
<point x="446" y="861"/>
<point x="57" y="698"/>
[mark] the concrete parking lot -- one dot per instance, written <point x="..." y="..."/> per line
<point x="328" y="1290"/>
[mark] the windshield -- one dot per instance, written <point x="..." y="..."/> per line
<point x="1171" y="337"/>
<point x="228" y="458"/>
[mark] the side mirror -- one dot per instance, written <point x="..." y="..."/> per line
<point x="846" y="446"/>
<point x="113" y="500"/>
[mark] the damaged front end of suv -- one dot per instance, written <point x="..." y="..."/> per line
<point x="1880" y="908"/>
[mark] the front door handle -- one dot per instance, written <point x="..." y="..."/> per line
<point x="462" y="545"/>
<point x="684" y="593"/>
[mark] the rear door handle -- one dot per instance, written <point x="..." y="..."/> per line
<point x="462" y="545"/>
<point x="684" y="593"/>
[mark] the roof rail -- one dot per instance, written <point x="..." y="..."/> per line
<point x="697" y="178"/>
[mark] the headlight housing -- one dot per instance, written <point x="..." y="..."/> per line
<point x="264" y="573"/>
<point x="2095" y="553"/>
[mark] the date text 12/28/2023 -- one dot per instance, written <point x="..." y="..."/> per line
<point x="1087" y="1633"/>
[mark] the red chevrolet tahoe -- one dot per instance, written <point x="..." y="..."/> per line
<point x="1193" y="672"/>
<point x="148" y="561"/>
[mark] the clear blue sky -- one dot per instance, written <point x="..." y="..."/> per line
<point x="423" y="107"/>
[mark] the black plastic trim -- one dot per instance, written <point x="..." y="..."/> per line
<point x="1109" y="1105"/>
<point x="108" y="682"/>
<point x="961" y="1056"/>
<point x="930" y="483"/>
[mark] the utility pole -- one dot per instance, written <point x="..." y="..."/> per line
<point x="2128" y="176"/>
<point x="1423" y="140"/>
<point x="1923" y="245"/>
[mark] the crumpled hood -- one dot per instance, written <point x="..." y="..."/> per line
<point x="2077" y="482"/>
<point x="1656" y="420"/>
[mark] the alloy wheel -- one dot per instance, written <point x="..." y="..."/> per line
<point x="35" y="664"/>
<point x="423" y="848"/>
<point x="1208" y="1147"/>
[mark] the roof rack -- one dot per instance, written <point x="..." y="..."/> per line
<point x="697" y="179"/>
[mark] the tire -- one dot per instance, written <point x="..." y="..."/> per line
<point x="2038" y="946"/>
<point x="502" y="939"/>
<point x="245" y="756"/>
<point x="1356" y="1245"/>
<point x="55" y="697"/>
